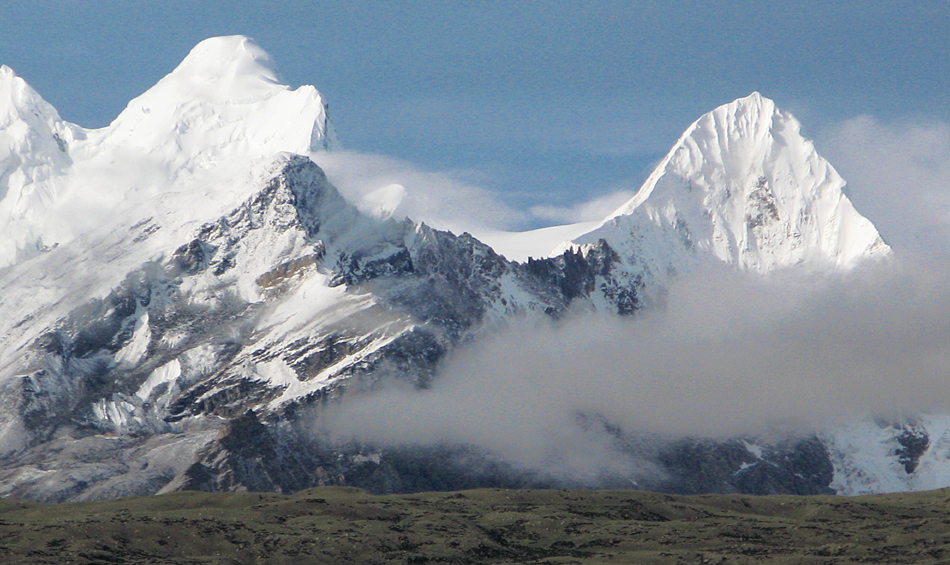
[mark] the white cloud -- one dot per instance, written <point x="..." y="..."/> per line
<point x="593" y="210"/>
<point x="898" y="176"/>
<point x="438" y="198"/>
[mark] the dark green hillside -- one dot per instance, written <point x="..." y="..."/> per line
<point x="343" y="525"/>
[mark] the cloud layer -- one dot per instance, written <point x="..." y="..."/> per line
<point x="729" y="356"/>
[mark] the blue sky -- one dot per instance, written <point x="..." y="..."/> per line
<point x="540" y="102"/>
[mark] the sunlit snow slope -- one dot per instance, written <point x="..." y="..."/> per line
<point x="744" y="187"/>
<point x="221" y="110"/>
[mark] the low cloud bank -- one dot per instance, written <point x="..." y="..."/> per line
<point x="730" y="355"/>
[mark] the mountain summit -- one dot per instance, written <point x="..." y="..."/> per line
<point x="33" y="158"/>
<point x="224" y="101"/>
<point x="222" y="109"/>
<point x="742" y="186"/>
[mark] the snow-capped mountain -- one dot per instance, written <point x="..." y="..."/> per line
<point x="741" y="186"/>
<point x="219" y="113"/>
<point x="179" y="287"/>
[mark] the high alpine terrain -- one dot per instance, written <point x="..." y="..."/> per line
<point x="183" y="290"/>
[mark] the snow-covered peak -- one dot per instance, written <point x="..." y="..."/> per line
<point x="224" y="102"/>
<point x="30" y="128"/>
<point x="730" y="138"/>
<point x="176" y="146"/>
<point x="226" y="66"/>
<point x="18" y="100"/>
<point x="219" y="70"/>
<point x="742" y="186"/>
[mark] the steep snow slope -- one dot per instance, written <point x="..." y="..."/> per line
<point x="219" y="112"/>
<point x="33" y="158"/>
<point x="744" y="187"/>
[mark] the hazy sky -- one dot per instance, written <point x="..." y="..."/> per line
<point x="543" y="103"/>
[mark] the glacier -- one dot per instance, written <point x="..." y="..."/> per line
<point x="184" y="289"/>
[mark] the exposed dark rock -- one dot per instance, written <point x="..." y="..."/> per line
<point x="913" y="442"/>
<point x="198" y="477"/>
<point x="358" y="268"/>
<point x="191" y="258"/>
<point x="790" y="467"/>
<point x="569" y="272"/>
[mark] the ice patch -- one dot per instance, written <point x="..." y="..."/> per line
<point x="120" y="413"/>
<point x="135" y="350"/>
<point x="167" y="373"/>
<point x="371" y="458"/>
<point x="755" y="450"/>
<point x="539" y="243"/>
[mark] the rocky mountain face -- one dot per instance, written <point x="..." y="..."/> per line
<point x="226" y="293"/>
<point x="177" y="353"/>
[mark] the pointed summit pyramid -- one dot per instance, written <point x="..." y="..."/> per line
<point x="224" y="101"/>
<point x="744" y="187"/>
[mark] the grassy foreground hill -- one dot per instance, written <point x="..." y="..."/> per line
<point x="345" y="525"/>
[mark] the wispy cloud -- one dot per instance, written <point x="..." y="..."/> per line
<point x="379" y="184"/>
<point x="596" y="209"/>
<point x="899" y="176"/>
<point x="440" y="199"/>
